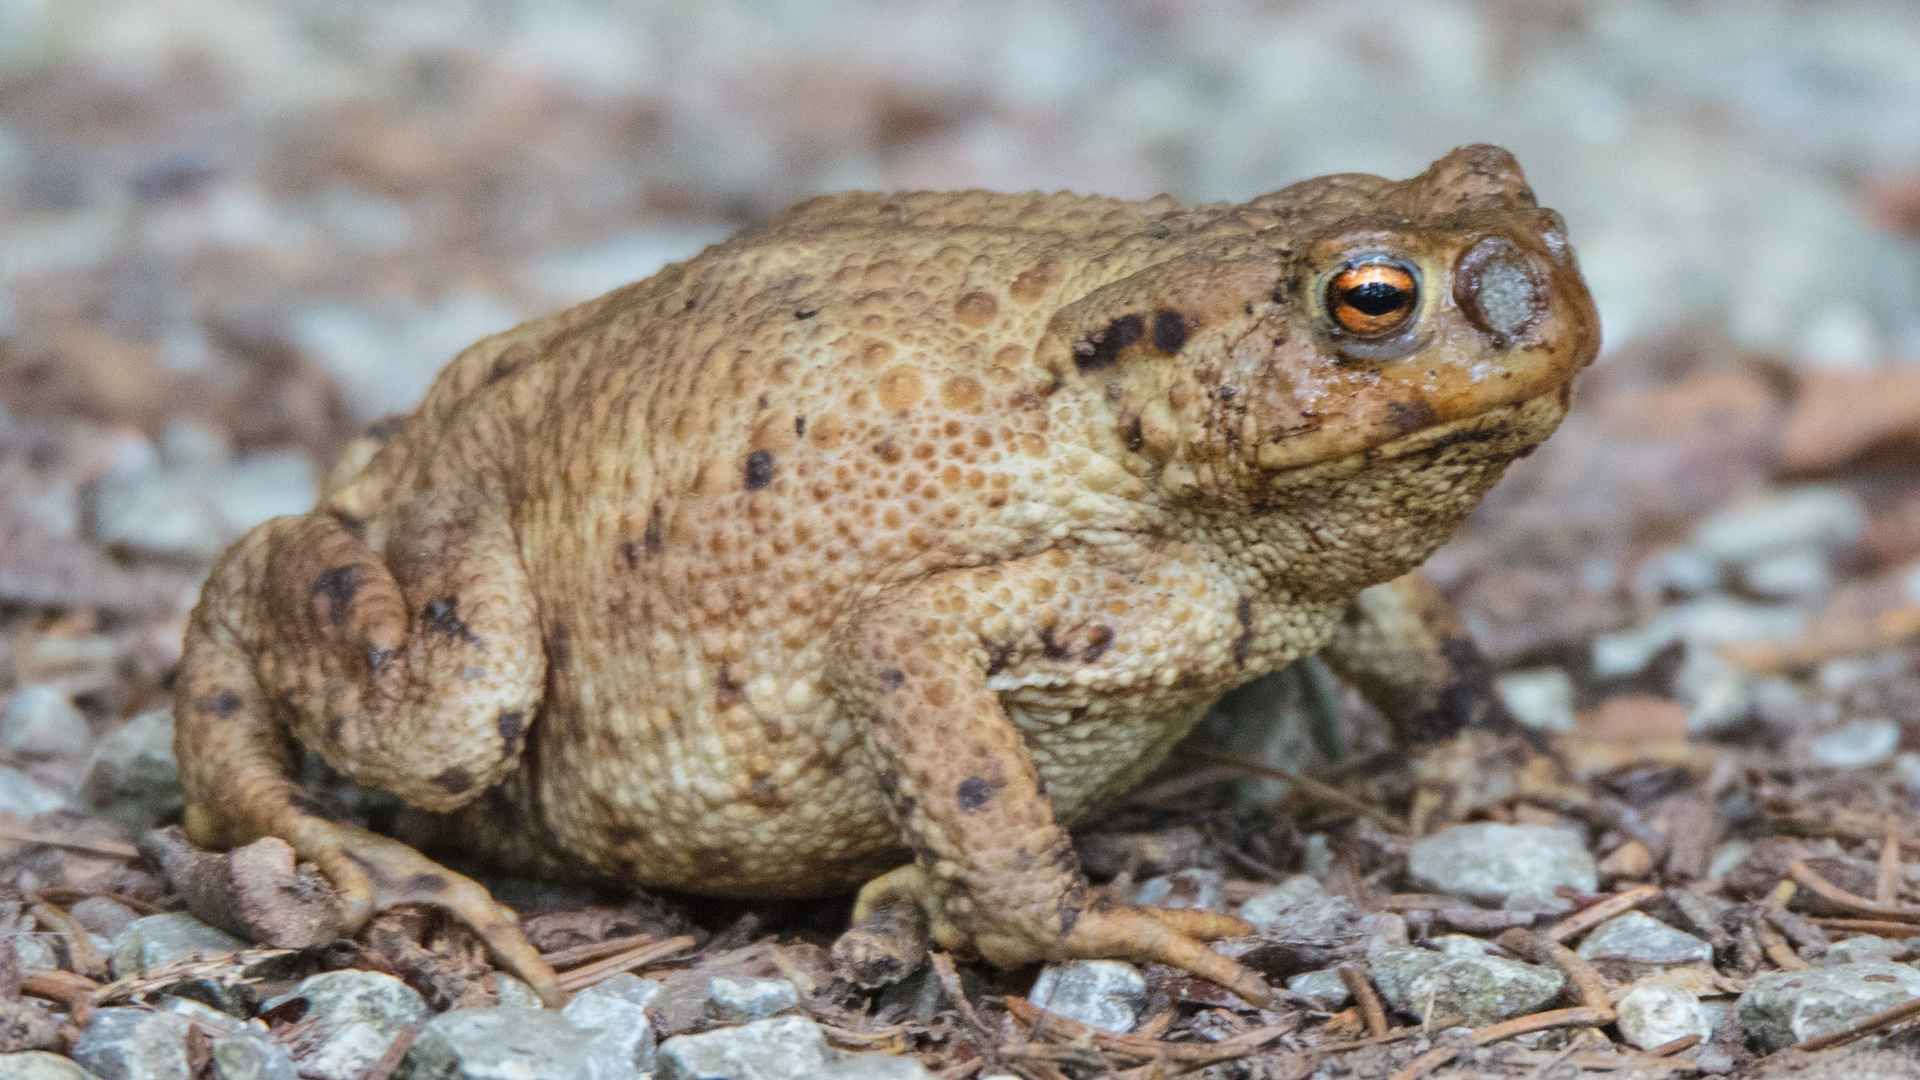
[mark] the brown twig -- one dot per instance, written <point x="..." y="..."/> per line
<point x="592" y="974"/>
<point x="396" y="1050"/>
<point x="1506" y="1029"/>
<point x="70" y="989"/>
<point x="1778" y="950"/>
<point x="1886" y="888"/>
<point x="1043" y="1022"/>
<point x="1362" y="989"/>
<point x="1835" y="895"/>
<point x="1877" y="927"/>
<point x="1586" y="981"/>
<point x="1587" y="918"/>
<point x="86" y="959"/>
<point x="1876" y="1022"/>
<point x="1318" y="789"/>
<point x="950" y="982"/>
<point x="594" y="950"/>
<point x="1677" y="1046"/>
<point x="111" y="848"/>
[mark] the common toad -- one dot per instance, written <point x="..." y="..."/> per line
<point x="883" y="540"/>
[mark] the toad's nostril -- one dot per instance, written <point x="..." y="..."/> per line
<point x="1498" y="290"/>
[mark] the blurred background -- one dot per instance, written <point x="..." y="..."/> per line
<point x="234" y="231"/>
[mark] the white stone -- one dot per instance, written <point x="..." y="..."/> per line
<point x="1324" y="986"/>
<point x="496" y="1044"/>
<point x="1655" y="1015"/>
<point x="41" y="724"/>
<point x="1194" y="888"/>
<point x="1710" y="620"/>
<point x="1104" y="994"/>
<point x="1821" y="516"/>
<point x="620" y="1036"/>
<point x="158" y="940"/>
<point x="21" y="794"/>
<point x="1859" y="950"/>
<point x="1857" y="744"/>
<point x="1488" y="860"/>
<point x="133" y="777"/>
<point x="1265" y="907"/>
<point x="1787" y="1007"/>
<point x="353" y="1017"/>
<point x="736" y="1000"/>
<point x="134" y="1044"/>
<point x="40" y="1065"/>
<point x="783" y="1048"/>
<point x="1717" y="694"/>
<point x="1632" y="945"/>
<point x="872" y="1067"/>
<point x="1801" y="574"/>
<point x="1540" y="697"/>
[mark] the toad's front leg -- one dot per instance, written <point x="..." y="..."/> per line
<point x="994" y="871"/>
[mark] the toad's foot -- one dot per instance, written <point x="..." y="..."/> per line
<point x="1098" y="931"/>
<point x="373" y="872"/>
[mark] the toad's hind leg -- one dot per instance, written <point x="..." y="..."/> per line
<point x="424" y="690"/>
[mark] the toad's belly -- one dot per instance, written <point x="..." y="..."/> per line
<point x="718" y="815"/>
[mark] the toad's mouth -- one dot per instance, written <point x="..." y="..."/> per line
<point x="1499" y="435"/>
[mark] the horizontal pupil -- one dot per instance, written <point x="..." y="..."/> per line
<point x="1377" y="298"/>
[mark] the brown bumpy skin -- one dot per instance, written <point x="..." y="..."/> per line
<point x="884" y="539"/>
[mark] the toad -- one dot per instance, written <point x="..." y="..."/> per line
<point x="884" y="540"/>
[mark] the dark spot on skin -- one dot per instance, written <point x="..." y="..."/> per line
<point x="221" y="703"/>
<point x="426" y="883"/>
<point x="763" y="794"/>
<point x="378" y="658"/>
<point x="442" y="616"/>
<point x="1243" y="645"/>
<point x="999" y="655"/>
<point x="509" y="362"/>
<point x="1226" y="393"/>
<point x="1471" y="435"/>
<point x="1102" y="347"/>
<point x="800" y="427"/>
<point x="336" y="587"/>
<point x="308" y="805"/>
<point x="764" y="400"/>
<point x="889" y="782"/>
<point x="336" y="727"/>
<point x="630" y="551"/>
<point x="690" y="304"/>
<point x="652" y="538"/>
<point x="1055" y="650"/>
<point x="1098" y="642"/>
<point x="975" y="793"/>
<point x="387" y="427"/>
<point x="1407" y="417"/>
<point x="511" y="724"/>
<point x="888" y="451"/>
<point x="1130" y="432"/>
<point x="892" y="679"/>
<point x="1169" y="331"/>
<point x="453" y="781"/>
<point x="759" y="469"/>
<point x="728" y="691"/>
<point x="806" y="313"/>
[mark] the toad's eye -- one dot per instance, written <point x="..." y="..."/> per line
<point x="1373" y="299"/>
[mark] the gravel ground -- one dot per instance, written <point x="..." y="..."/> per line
<point x="232" y="234"/>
